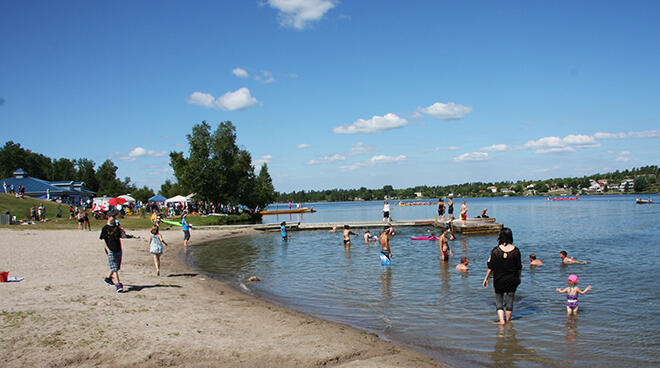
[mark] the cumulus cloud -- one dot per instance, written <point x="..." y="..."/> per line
<point x="623" y="156"/>
<point x="240" y="72"/>
<point x="138" y="152"/>
<point x="262" y="160"/>
<point x="373" y="125"/>
<point x="303" y="145"/>
<point x="448" y="111"/>
<point x="360" y="148"/>
<point x="496" y="148"/>
<point x="239" y="99"/>
<point x="621" y="135"/>
<point x="566" y="144"/>
<point x="326" y="159"/>
<point x="299" y="13"/>
<point x="472" y="156"/>
<point x="375" y="160"/>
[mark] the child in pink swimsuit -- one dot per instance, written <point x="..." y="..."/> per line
<point x="572" y="294"/>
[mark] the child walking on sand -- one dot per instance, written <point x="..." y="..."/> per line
<point x="572" y="296"/>
<point x="156" y="243"/>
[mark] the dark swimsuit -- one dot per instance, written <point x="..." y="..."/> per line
<point x="451" y="209"/>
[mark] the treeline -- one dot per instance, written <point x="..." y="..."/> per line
<point x="102" y="179"/>
<point x="646" y="180"/>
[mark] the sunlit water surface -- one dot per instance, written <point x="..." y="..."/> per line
<point x="424" y="302"/>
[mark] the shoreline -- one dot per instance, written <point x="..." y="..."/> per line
<point x="63" y="314"/>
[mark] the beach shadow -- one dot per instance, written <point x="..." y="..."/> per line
<point x="130" y="288"/>
<point x="182" y="275"/>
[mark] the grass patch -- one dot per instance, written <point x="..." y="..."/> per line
<point x="14" y="319"/>
<point x="21" y="209"/>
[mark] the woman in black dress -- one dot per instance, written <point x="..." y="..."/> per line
<point x="505" y="266"/>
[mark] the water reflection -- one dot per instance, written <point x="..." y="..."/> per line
<point x="508" y="350"/>
<point x="386" y="300"/>
<point x="444" y="277"/>
<point x="571" y="339"/>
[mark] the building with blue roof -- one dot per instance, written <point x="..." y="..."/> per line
<point x="67" y="191"/>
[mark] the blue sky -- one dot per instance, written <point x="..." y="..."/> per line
<point x="339" y="94"/>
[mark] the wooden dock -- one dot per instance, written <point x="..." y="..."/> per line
<point x="471" y="226"/>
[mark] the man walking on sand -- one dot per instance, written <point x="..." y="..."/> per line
<point x="111" y="235"/>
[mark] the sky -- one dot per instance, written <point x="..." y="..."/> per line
<point x="339" y="94"/>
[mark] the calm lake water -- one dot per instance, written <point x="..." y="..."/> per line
<point x="425" y="303"/>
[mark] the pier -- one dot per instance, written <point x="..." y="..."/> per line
<point x="471" y="226"/>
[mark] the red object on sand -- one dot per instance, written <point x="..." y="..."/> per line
<point x="116" y="201"/>
<point x="4" y="276"/>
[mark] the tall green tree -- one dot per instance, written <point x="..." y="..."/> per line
<point x="85" y="172"/>
<point x="641" y="184"/>
<point x="216" y="169"/>
<point x="63" y="169"/>
<point x="264" y="190"/>
<point x="109" y="185"/>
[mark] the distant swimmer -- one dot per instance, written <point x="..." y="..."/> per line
<point x="385" y="244"/>
<point x="533" y="262"/>
<point x="367" y="236"/>
<point x="463" y="266"/>
<point x="347" y="235"/>
<point x="572" y="294"/>
<point x="566" y="260"/>
<point x="443" y="244"/>
<point x="333" y="230"/>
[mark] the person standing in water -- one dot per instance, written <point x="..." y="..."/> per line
<point x="443" y="243"/>
<point x="347" y="235"/>
<point x="283" y="232"/>
<point x="505" y="266"/>
<point x="385" y="242"/>
<point x="185" y="226"/>
<point x="572" y="294"/>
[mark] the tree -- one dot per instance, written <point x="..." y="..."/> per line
<point x="641" y="184"/>
<point x="216" y="169"/>
<point x="106" y="176"/>
<point x="63" y="169"/>
<point x="264" y="193"/>
<point x="142" y="194"/>
<point x="85" y="173"/>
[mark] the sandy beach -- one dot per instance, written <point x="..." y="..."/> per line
<point x="63" y="314"/>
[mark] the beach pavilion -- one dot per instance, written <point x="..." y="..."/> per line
<point x="66" y="191"/>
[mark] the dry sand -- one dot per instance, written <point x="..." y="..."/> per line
<point x="63" y="314"/>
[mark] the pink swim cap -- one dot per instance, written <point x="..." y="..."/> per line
<point x="573" y="279"/>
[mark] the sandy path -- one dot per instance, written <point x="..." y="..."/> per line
<point x="63" y="314"/>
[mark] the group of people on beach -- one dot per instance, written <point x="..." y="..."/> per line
<point x="112" y="233"/>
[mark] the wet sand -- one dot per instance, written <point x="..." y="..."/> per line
<point x="63" y="314"/>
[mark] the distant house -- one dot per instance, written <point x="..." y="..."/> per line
<point x="66" y="191"/>
<point x="629" y="183"/>
<point x="418" y="194"/>
<point x="594" y="186"/>
<point x="493" y="189"/>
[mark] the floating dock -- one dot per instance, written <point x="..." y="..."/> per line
<point x="471" y="225"/>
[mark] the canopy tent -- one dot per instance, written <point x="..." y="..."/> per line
<point x="157" y="198"/>
<point x="128" y="198"/>
<point x="177" y="199"/>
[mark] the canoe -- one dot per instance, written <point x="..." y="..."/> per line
<point x="564" y="198"/>
<point x="423" y="238"/>
<point x="416" y="203"/>
<point x="283" y="212"/>
<point x="644" y="201"/>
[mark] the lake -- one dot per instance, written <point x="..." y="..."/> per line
<point x="425" y="303"/>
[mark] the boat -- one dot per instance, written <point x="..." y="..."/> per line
<point x="423" y="238"/>
<point x="644" y="201"/>
<point x="284" y="212"/>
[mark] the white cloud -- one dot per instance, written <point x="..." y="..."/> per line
<point x="262" y="160"/>
<point x="265" y="77"/>
<point x="645" y="134"/>
<point x="416" y="115"/>
<point x="448" y="111"/>
<point x="496" y="148"/>
<point x="453" y="148"/>
<point x="137" y="152"/>
<point x="239" y="99"/>
<point x="240" y="72"/>
<point x="473" y="156"/>
<point x="623" y="156"/>
<point x="568" y="143"/>
<point x="621" y="135"/>
<point x="165" y="171"/>
<point x="373" y="125"/>
<point x="303" y="145"/>
<point x="360" y="148"/>
<point x="375" y="160"/>
<point x="326" y="159"/>
<point x="299" y="13"/>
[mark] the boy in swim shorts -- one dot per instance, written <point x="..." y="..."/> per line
<point x="347" y="235"/>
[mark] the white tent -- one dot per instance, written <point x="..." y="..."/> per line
<point x="177" y="199"/>
<point x="128" y="198"/>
